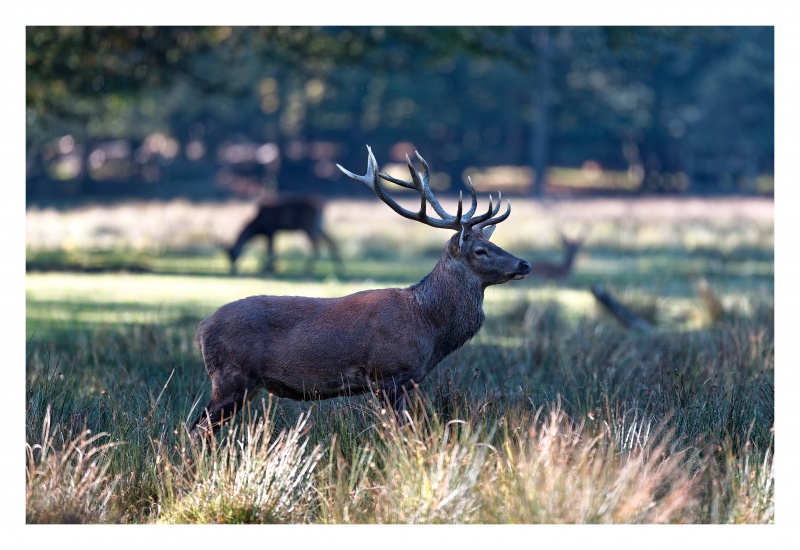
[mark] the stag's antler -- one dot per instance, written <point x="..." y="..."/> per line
<point x="419" y="182"/>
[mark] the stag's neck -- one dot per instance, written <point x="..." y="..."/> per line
<point x="451" y="299"/>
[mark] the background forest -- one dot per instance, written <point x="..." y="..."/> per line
<point x="224" y="111"/>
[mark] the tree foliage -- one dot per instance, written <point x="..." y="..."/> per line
<point x="661" y="100"/>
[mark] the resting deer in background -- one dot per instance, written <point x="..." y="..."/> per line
<point x="563" y="269"/>
<point x="382" y="341"/>
<point x="290" y="213"/>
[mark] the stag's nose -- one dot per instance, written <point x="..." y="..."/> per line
<point x="523" y="268"/>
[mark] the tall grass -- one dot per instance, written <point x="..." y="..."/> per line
<point x="67" y="481"/>
<point x="553" y="413"/>
<point x="250" y="476"/>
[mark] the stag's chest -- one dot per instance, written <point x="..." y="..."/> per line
<point x="457" y="332"/>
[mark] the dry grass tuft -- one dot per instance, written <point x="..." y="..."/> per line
<point x="523" y="469"/>
<point x="67" y="484"/>
<point x="560" y="472"/>
<point x="247" y="477"/>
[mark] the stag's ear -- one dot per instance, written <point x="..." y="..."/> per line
<point x="487" y="231"/>
<point x="456" y="246"/>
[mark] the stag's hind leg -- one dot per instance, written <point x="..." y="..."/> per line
<point x="226" y="399"/>
<point x="214" y="414"/>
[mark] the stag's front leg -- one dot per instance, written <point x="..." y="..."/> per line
<point x="399" y="399"/>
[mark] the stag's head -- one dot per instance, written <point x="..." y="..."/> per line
<point x="470" y="244"/>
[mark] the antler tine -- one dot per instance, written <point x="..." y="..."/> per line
<point x="499" y="202"/>
<point x="424" y="182"/>
<point x="492" y="220"/>
<point x="490" y="213"/>
<point x="371" y="180"/>
<point x="420" y="182"/>
<point x="474" y="206"/>
<point x="419" y="216"/>
<point x="415" y="182"/>
<point x="483" y="217"/>
<point x="402" y="183"/>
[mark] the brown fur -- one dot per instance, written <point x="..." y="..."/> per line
<point x="375" y="340"/>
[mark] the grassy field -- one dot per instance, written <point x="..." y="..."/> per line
<point x="553" y="413"/>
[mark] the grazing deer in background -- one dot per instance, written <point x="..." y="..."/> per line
<point x="382" y="341"/>
<point x="290" y="213"/>
<point x="563" y="269"/>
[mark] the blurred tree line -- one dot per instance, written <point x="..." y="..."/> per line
<point x="213" y="111"/>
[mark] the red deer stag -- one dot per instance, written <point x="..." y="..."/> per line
<point x="382" y="340"/>
<point x="290" y="213"/>
<point x="562" y="269"/>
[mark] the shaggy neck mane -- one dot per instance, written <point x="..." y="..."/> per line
<point x="451" y="299"/>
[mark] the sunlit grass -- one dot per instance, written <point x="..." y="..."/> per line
<point x="553" y="413"/>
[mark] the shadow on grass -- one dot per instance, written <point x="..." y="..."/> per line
<point x="62" y="320"/>
<point x="664" y="267"/>
<point x="211" y="263"/>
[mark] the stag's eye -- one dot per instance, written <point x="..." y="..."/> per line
<point x="481" y="252"/>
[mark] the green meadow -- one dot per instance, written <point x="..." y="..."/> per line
<point x="553" y="413"/>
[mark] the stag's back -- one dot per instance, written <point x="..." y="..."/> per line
<point x="280" y="340"/>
